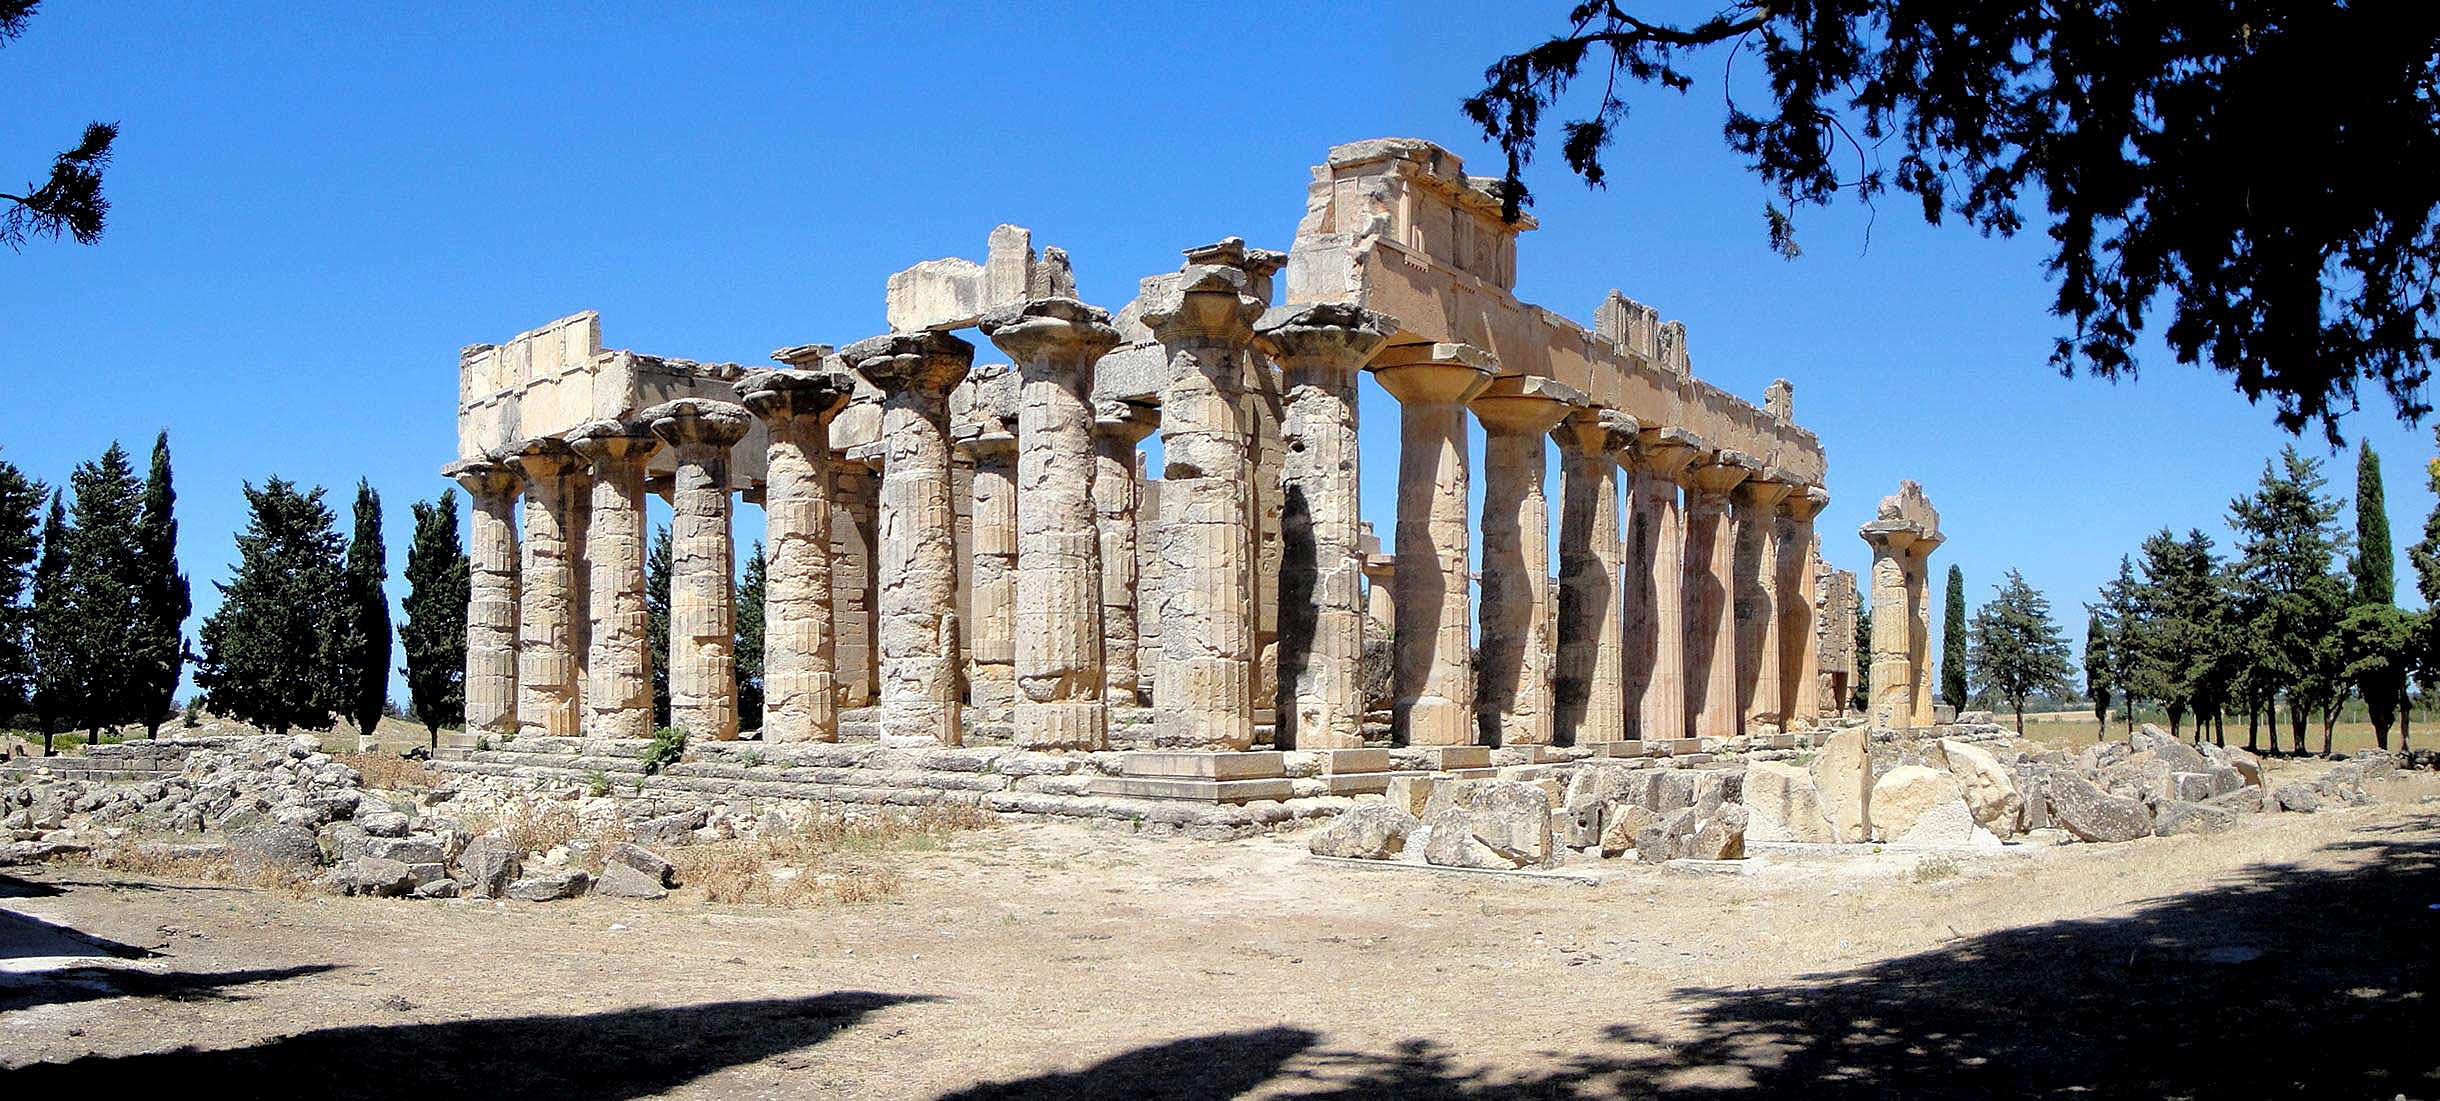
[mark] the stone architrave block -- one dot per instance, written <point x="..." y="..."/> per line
<point x="1783" y="805"/>
<point x="936" y="295"/>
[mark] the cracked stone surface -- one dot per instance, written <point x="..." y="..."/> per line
<point x="550" y="698"/>
<point x="918" y="554"/>
<point x="618" y="683"/>
<point x="702" y="563"/>
<point x="492" y="596"/>
<point x="800" y="645"/>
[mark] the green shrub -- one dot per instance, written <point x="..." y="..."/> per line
<point x="668" y="745"/>
<point x="597" y="783"/>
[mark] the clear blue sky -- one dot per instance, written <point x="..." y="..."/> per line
<point x="313" y="211"/>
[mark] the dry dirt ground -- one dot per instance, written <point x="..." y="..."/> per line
<point x="2293" y="958"/>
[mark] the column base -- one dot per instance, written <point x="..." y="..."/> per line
<point x="1205" y="703"/>
<point x="1071" y="725"/>
<point x="1435" y="721"/>
<point x="915" y="726"/>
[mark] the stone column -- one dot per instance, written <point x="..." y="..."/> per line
<point x="990" y="622"/>
<point x="1204" y="688"/>
<point x="1711" y="551"/>
<point x="1756" y="595"/>
<point x="1799" y="644"/>
<point x="550" y="701"/>
<point x="618" y="676"/>
<point x="1321" y="611"/>
<point x="1594" y="665"/>
<point x="800" y="642"/>
<point x="918" y="566"/>
<point x="1893" y="672"/>
<point x="1055" y="342"/>
<point x="1512" y="699"/>
<point x="1919" y="623"/>
<point x="1657" y="690"/>
<point x="1118" y="427"/>
<point x="1433" y="668"/>
<point x="492" y="594"/>
<point x="702" y="564"/>
<point x="855" y="548"/>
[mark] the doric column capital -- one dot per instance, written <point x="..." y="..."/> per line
<point x="1051" y="331"/>
<point x="807" y="357"/>
<point x="482" y="478"/>
<point x="1595" y="430"/>
<point x="1330" y="336"/>
<point x="542" y="457"/>
<point x="1718" y="473"/>
<point x="1890" y="536"/>
<point x="926" y="363"/>
<point x="698" y="422"/>
<point x="1803" y="506"/>
<point x="1525" y="405"/>
<point x="1125" y="421"/>
<point x="1214" y="299"/>
<point x="608" y="444"/>
<point x="1433" y="373"/>
<point x="975" y="444"/>
<point x="1767" y="488"/>
<point x="783" y="394"/>
<point x="1665" y="451"/>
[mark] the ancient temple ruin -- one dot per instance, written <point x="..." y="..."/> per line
<point x="963" y="552"/>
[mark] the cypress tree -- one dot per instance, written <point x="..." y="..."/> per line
<point x="1862" y="693"/>
<point x="750" y="595"/>
<point x="2375" y="565"/>
<point x="2097" y="669"/>
<point x="58" y="677"/>
<point x="656" y="622"/>
<point x="2377" y="638"/>
<point x="1953" y="642"/>
<point x="106" y="592"/>
<point x="2424" y="662"/>
<point x="270" y="654"/>
<point x="364" y="659"/>
<point x="434" y="634"/>
<point x="20" y="542"/>
<point x="160" y="641"/>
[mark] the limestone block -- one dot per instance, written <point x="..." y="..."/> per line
<point x="2177" y="817"/>
<point x="1783" y="805"/>
<point x="1990" y="792"/>
<point x="1842" y="774"/>
<point x="1491" y="824"/>
<point x="1622" y="823"/>
<point x="1374" y="831"/>
<point x="2144" y="776"/>
<point x="2179" y="756"/>
<point x="487" y="866"/>
<point x="2248" y="766"/>
<point x="2244" y="800"/>
<point x="936" y="295"/>
<point x="2093" y="815"/>
<point x="1411" y="794"/>
<point x="1905" y="794"/>
<point x="549" y="886"/>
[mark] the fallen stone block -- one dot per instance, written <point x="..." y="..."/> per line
<point x="1622" y="823"/>
<point x="2178" y="817"/>
<point x="1491" y="824"/>
<point x="1783" y="805"/>
<point x="549" y="886"/>
<point x="377" y="876"/>
<point x="1373" y="831"/>
<point x="487" y="866"/>
<point x="1906" y="794"/>
<point x="1842" y="774"/>
<point x="1991" y="794"/>
<point x="2093" y="815"/>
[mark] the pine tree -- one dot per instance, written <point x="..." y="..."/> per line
<point x="2178" y="602"/>
<point x="434" y="633"/>
<point x="106" y="591"/>
<point x="2377" y="638"/>
<point x="1953" y="642"/>
<point x="2288" y="542"/>
<point x="58" y="675"/>
<point x="20" y="542"/>
<point x="2017" y="649"/>
<point x="2425" y="555"/>
<point x="2121" y="613"/>
<point x="364" y="653"/>
<point x="160" y="642"/>
<point x="271" y="653"/>
<point x="2097" y="683"/>
<point x="750" y="596"/>
<point x="656" y="622"/>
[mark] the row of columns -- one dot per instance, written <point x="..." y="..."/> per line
<point x="1687" y="613"/>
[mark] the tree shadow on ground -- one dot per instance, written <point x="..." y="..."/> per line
<point x="595" y="1056"/>
<point x="13" y="887"/>
<point x="2290" y="981"/>
<point x="1198" y="1068"/>
<point x="86" y="984"/>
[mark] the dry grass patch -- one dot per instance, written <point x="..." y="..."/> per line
<point x="827" y="859"/>
<point x="391" y="772"/>
<point x="209" y="864"/>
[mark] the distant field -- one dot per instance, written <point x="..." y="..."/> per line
<point x="389" y="735"/>
<point x="2073" y="730"/>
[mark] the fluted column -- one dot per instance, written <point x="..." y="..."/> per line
<point x="918" y="567"/>
<point x="550" y="701"/>
<point x="1756" y="595"/>
<point x="702" y="563"/>
<point x="990" y="622"/>
<point x="1589" y="698"/>
<point x="1656" y="614"/>
<point x="492" y="594"/>
<point x="618" y="676"/>
<point x="1919" y="623"/>
<point x="1203" y="690"/>
<point x="800" y="643"/>
<point x="1799" y="641"/>
<point x="1512" y="699"/>
<point x="854" y="550"/>
<point x="1433" y="668"/>
<point x="1055" y="342"/>
<point x="1118" y="427"/>
<point x="1321" y="611"/>
<point x="1893" y="673"/>
<point x="1711" y="553"/>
